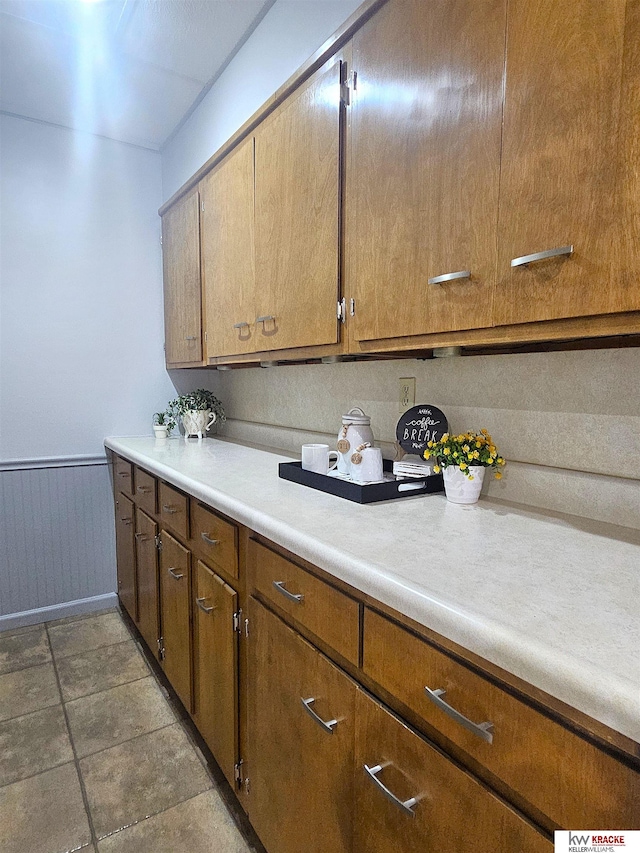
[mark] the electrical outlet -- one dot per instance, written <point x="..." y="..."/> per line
<point x="407" y="394"/>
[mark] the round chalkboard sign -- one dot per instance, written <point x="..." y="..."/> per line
<point x="419" y="425"/>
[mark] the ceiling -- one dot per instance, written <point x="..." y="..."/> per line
<point x="130" y="70"/>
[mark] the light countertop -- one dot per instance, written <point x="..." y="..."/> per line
<point x="554" y="600"/>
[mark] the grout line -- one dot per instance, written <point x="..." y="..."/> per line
<point x="104" y="690"/>
<point x="128" y="740"/>
<point x="76" y="761"/>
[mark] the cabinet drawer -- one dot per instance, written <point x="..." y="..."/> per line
<point x="427" y="801"/>
<point x="328" y="613"/>
<point x="146" y="487"/>
<point x="567" y="778"/>
<point x="174" y="509"/>
<point x="123" y="473"/>
<point x="214" y="539"/>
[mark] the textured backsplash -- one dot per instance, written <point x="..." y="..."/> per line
<point x="567" y="422"/>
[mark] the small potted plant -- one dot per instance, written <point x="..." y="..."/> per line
<point x="199" y="410"/>
<point x="463" y="460"/>
<point x="163" y="424"/>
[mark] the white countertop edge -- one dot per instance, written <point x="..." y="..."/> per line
<point x="607" y="698"/>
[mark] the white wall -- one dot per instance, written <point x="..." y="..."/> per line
<point x="81" y="326"/>
<point x="288" y="35"/>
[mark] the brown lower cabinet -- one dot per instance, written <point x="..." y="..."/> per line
<point x="147" y="576"/>
<point x="301" y="727"/>
<point x="175" y="582"/>
<point x="125" y="553"/>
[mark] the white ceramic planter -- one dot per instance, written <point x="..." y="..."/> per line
<point x="197" y="422"/>
<point x="160" y="431"/>
<point x="458" y="488"/>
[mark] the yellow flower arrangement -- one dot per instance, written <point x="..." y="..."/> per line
<point x="465" y="450"/>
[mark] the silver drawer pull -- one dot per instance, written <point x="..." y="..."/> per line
<point x="482" y="730"/>
<point x="191" y="338"/>
<point x="199" y="602"/>
<point x="170" y="509"/>
<point x="279" y="585"/>
<point x="450" y="276"/>
<point x="405" y="805"/>
<point x="123" y="474"/>
<point x="142" y="537"/>
<point x="125" y="520"/>
<point x="240" y="325"/>
<point x="175" y="574"/>
<point x="542" y="256"/>
<point x="328" y="726"/>
<point x="265" y="319"/>
<point x="144" y="489"/>
<point x="205" y="536"/>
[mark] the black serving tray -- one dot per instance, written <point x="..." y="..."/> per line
<point x="362" y="494"/>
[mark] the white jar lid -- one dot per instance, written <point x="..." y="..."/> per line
<point x="356" y="416"/>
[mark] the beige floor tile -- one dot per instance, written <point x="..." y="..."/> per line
<point x="200" y="825"/>
<point x="44" y="814"/>
<point x="67" y="619"/>
<point x="113" y="716"/>
<point x="12" y="632"/>
<point x="141" y="777"/>
<point x="28" y="690"/>
<point x="83" y="635"/>
<point x="18" y="651"/>
<point x="100" y="669"/>
<point x="33" y="743"/>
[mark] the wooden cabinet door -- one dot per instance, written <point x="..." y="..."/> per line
<point x="125" y="554"/>
<point x="176" y="627"/>
<point x="216" y="668"/>
<point x="558" y="180"/>
<point x="301" y="756"/>
<point x="423" y="168"/>
<point x="182" y="292"/>
<point x="427" y="802"/>
<point x="297" y="175"/>
<point x="228" y="272"/>
<point x="147" y="569"/>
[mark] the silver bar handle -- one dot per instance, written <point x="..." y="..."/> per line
<point x="265" y="319"/>
<point x="190" y="338"/>
<point x="199" y="602"/>
<point x="541" y="256"/>
<point x="482" y="730"/>
<point x="279" y="585"/>
<point x="175" y="574"/>
<point x="125" y="520"/>
<point x="450" y="276"/>
<point x="205" y="537"/>
<point x="142" y="537"/>
<point x="328" y="725"/>
<point x="405" y="805"/>
<point x="170" y="509"/>
<point x="144" y="489"/>
<point x="123" y="474"/>
<point x="240" y="325"/>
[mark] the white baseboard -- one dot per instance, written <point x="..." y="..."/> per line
<point x="58" y="611"/>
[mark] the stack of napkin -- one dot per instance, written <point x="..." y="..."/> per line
<point x="413" y="466"/>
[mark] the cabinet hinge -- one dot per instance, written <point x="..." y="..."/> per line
<point x="161" y="648"/>
<point x="158" y="541"/>
<point x="205" y="337"/>
<point x="161" y="239"/>
<point x="352" y="307"/>
<point x="237" y="616"/>
<point x="347" y="87"/>
<point x="237" y="773"/>
<point x="341" y="310"/>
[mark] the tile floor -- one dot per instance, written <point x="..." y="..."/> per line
<point x="93" y="755"/>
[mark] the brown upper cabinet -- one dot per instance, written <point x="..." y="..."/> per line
<point x="423" y="173"/>
<point x="297" y="172"/>
<point x="182" y="293"/>
<point x="562" y="193"/>
<point x="228" y="268"/>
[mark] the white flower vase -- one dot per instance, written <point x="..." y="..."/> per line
<point x="458" y="488"/>
<point x="160" y="431"/>
<point x="197" y="422"/>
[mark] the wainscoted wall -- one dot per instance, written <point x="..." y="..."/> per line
<point x="57" y="543"/>
<point x="567" y="422"/>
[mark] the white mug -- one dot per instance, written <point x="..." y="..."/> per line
<point x="366" y="465"/>
<point x="315" y="457"/>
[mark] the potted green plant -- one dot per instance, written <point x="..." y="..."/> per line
<point x="163" y="424"/>
<point x="199" y="410"/>
<point x="463" y="459"/>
